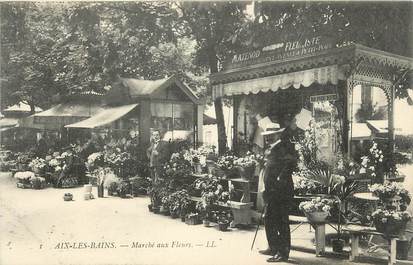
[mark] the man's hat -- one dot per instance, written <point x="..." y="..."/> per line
<point x="272" y="130"/>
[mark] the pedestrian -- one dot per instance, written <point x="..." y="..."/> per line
<point x="41" y="149"/>
<point x="281" y="161"/>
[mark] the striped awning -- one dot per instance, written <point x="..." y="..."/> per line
<point x="323" y="75"/>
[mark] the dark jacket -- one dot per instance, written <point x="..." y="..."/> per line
<point x="281" y="163"/>
<point x="158" y="154"/>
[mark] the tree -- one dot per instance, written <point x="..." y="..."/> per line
<point x="385" y="26"/>
<point x="68" y="47"/>
<point x="213" y="25"/>
<point x="23" y="49"/>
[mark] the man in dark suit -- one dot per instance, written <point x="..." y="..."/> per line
<point x="157" y="154"/>
<point x="281" y="161"/>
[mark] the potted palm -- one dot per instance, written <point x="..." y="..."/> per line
<point x="343" y="192"/>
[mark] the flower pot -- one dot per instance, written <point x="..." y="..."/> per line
<point x="223" y="226"/>
<point x="197" y="168"/>
<point x="402" y="249"/>
<point x="155" y="209"/>
<point x="100" y="191"/>
<point x="183" y="218"/>
<point x="393" y="228"/>
<point x="316" y="217"/>
<point x="174" y="215"/>
<point x="150" y="207"/>
<point x="88" y="188"/>
<point x="337" y="244"/>
<point x="192" y="220"/>
<point x="232" y="173"/>
<point x="87" y="196"/>
<point x="164" y="211"/>
<point x="247" y="173"/>
<point x="206" y="223"/>
<point x="68" y="197"/>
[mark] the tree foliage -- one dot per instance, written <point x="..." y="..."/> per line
<point x="71" y="47"/>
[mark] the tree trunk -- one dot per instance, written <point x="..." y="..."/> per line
<point x="32" y="107"/>
<point x="222" y="136"/>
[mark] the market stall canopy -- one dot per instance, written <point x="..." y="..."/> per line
<point x="360" y="131"/>
<point x="209" y="120"/>
<point x="8" y="122"/>
<point x="166" y="88"/>
<point x="322" y="75"/>
<point x="104" y="117"/>
<point x="61" y="115"/>
<point x="302" y="63"/>
<point x="21" y="107"/>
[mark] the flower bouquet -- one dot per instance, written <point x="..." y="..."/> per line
<point x="23" y="160"/>
<point x="226" y="164"/>
<point x="390" y="222"/>
<point x="177" y="167"/>
<point x="317" y="210"/>
<point x="94" y="161"/>
<point x="196" y="158"/>
<point x="23" y="179"/>
<point x="388" y="191"/>
<point x="305" y="186"/>
<point x="247" y="165"/>
<point x="37" y="165"/>
<point x="111" y="182"/>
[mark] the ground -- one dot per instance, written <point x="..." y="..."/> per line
<point x="36" y="224"/>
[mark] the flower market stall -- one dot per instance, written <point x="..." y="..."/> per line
<point x="312" y="73"/>
<point x="136" y="107"/>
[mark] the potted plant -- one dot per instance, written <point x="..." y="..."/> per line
<point x="111" y="182"/>
<point x="317" y="210"/>
<point x="390" y="222"/>
<point x="192" y="219"/>
<point x="226" y="164"/>
<point x="224" y="219"/>
<point x="37" y="182"/>
<point x="68" y="197"/>
<point x="247" y="165"/>
<point x="390" y="192"/>
<point x="123" y="188"/>
<point x="166" y="203"/>
<point x="344" y="192"/>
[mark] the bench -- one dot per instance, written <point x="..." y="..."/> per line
<point x="356" y="231"/>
